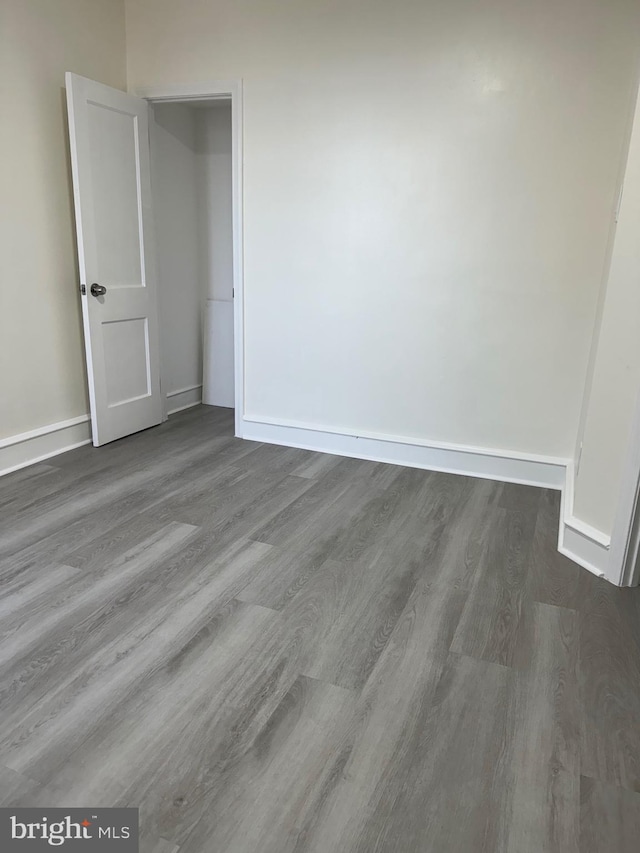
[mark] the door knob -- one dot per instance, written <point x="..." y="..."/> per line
<point x="97" y="290"/>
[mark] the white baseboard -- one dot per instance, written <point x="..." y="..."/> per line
<point x="510" y="467"/>
<point x="183" y="398"/>
<point x="584" y="550"/>
<point x="585" y="545"/>
<point x="27" y="448"/>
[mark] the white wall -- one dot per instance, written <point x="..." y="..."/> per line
<point x="42" y="376"/>
<point x="428" y="189"/>
<point x="175" y="186"/>
<point x="615" y="386"/>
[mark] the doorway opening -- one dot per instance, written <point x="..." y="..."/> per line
<point x="192" y="188"/>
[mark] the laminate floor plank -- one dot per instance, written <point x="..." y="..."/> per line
<point x="514" y="496"/>
<point x="79" y="592"/>
<point x="21" y="497"/>
<point x="384" y="522"/>
<point x="106" y="547"/>
<point x="351" y="525"/>
<point x="306" y="531"/>
<point x="93" y="696"/>
<point x="317" y="465"/>
<point x="610" y="688"/>
<point x="306" y="735"/>
<point x="350" y="609"/>
<point x="233" y="491"/>
<point x="445" y="796"/>
<point x="83" y="494"/>
<point x="14" y="483"/>
<point x="206" y="429"/>
<point x="159" y="506"/>
<point x="282" y="573"/>
<point x="541" y="802"/>
<point x="148" y="844"/>
<point x="497" y="623"/>
<point x="255" y="498"/>
<point x="271" y="650"/>
<point x="466" y="534"/>
<point x="19" y="791"/>
<point x="58" y="543"/>
<point x="205" y="676"/>
<point x="411" y="779"/>
<point x="48" y="641"/>
<point x="20" y="591"/>
<point x="165" y="499"/>
<point x="610" y="818"/>
<point x="19" y="487"/>
<point x="553" y="578"/>
<point x="340" y="494"/>
<point x="348" y="614"/>
<point x="276" y="458"/>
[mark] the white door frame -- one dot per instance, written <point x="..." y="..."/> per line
<point x="221" y="90"/>
<point x="624" y="552"/>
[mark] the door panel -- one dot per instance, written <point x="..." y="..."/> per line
<point x="110" y="164"/>
<point x="127" y="376"/>
<point x="114" y="174"/>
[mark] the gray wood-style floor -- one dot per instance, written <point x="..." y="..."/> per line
<point x="269" y="650"/>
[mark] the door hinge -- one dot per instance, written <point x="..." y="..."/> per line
<point x="233" y="293"/>
<point x="83" y="289"/>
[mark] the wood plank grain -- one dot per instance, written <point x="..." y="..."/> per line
<point x="496" y="625"/>
<point x="390" y="735"/>
<point x="541" y="801"/>
<point x="553" y="578"/>
<point x="610" y="818"/>
<point x="270" y="649"/>
<point x="610" y="687"/>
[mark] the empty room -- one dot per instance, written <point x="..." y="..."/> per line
<point x="320" y="426"/>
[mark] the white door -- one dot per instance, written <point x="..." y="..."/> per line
<point x="111" y="182"/>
